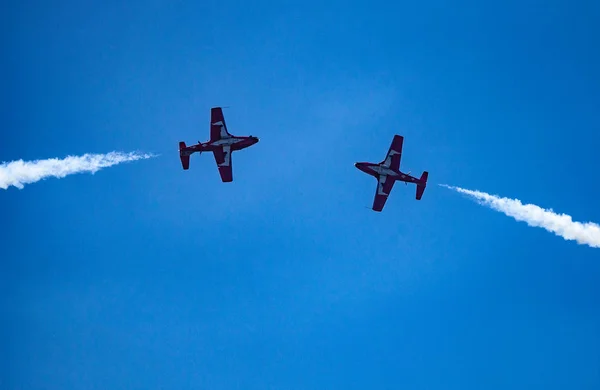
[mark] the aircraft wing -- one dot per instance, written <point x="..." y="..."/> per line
<point x="384" y="187"/>
<point x="223" y="160"/>
<point x="394" y="154"/>
<point x="218" y="128"/>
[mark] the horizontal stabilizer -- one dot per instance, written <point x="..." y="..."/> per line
<point x="185" y="157"/>
<point x="421" y="185"/>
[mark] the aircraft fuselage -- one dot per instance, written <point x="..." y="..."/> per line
<point x="377" y="170"/>
<point x="230" y="143"/>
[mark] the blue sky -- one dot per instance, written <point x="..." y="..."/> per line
<point x="145" y="276"/>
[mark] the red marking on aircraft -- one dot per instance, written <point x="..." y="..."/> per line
<point x="221" y="144"/>
<point x="388" y="172"/>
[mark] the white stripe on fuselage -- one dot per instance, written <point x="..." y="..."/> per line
<point x="383" y="170"/>
<point x="383" y="176"/>
<point x="227" y="141"/>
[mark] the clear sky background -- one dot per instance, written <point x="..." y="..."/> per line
<point x="145" y="276"/>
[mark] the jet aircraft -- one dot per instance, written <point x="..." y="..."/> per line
<point x="221" y="144"/>
<point x="388" y="172"/>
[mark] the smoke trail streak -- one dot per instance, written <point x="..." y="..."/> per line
<point x="18" y="173"/>
<point x="562" y="225"/>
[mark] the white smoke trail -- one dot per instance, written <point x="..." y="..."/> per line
<point x="18" y="173"/>
<point x="560" y="224"/>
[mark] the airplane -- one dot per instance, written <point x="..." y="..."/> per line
<point x="221" y="144"/>
<point x="388" y="172"/>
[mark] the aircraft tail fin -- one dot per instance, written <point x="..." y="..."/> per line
<point x="422" y="184"/>
<point x="185" y="157"/>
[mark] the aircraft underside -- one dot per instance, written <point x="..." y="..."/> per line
<point x="221" y="144"/>
<point x="388" y="172"/>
